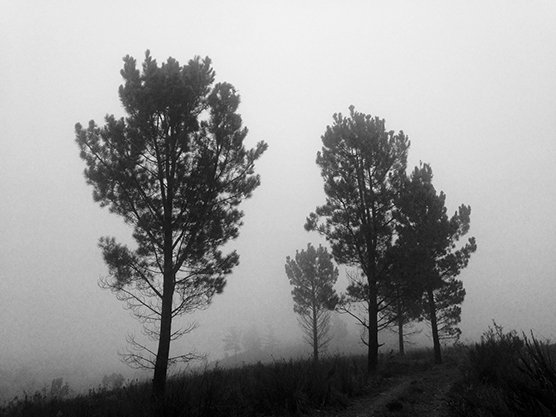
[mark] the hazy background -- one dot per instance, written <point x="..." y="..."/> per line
<point x="472" y="83"/>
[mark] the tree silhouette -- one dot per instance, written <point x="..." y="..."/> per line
<point x="424" y="227"/>
<point x="313" y="275"/>
<point x="252" y="340"/>
<point x="232" y="340"/>
<point x="176" y="170"/>
<point x="363" y="167"/>
<point x="270" y="342"/>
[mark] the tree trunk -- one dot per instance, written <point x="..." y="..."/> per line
<point x="315" y="336"/>
<point x="434" y="327"/>
<point x="162" y="355"/>
<point x="400" y="330"/>
<point x="372" y="358"/>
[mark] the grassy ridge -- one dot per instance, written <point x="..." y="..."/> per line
<point x="502" y="375"/>
<point x="280" y="388"/>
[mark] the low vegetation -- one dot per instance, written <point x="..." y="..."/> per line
<point x="280" y="388"/>
<point x="506" y="375"/>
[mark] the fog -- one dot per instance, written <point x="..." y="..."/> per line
<point x="473" y="85"/>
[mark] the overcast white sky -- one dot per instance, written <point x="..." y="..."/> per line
<point x="473" y="84"/>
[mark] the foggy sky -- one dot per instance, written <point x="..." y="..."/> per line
<point x="473" y="85"/>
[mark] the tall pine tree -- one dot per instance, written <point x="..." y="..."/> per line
<point x="176" y="169"/>
<point x="432" y="241"/>
<point x="363" y="167"/>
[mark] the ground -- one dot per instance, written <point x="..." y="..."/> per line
<point x="421" y="394"/>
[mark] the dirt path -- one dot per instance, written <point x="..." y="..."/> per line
<point x="418" y="395"/>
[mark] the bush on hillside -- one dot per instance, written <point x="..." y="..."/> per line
<point x="506" y="375"/>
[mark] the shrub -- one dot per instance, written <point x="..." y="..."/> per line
<point x="492" y="361"/>
<point x="506" y="375"/>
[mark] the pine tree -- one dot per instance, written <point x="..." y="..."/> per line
<point x="431" y="237"/>
<point x="363" y="167"/>
<point x="313" y="275"/>
<point x="232" y="340"/>
<point x="176" y="170"/>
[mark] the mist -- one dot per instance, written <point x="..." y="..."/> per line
<point x="472" y="84"/>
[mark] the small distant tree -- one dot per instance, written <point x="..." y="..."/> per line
<point x="176" y="169"/>
<point x="425" y="228"/>
<point x="270" y="342"/>
<point x="58" y="389"/>
<point x="363" y="166"/>
<point x="252" y="340"/>
<point x="113" y="381"/>
<point x="232" y="341"/>
<point x="338" y="331"/>
<point x="313" y="275"/>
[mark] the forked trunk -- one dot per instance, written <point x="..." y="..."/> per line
<point x="434" y="327"/>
